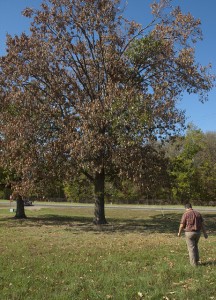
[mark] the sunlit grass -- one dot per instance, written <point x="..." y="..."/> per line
<point x="60" y="254"/>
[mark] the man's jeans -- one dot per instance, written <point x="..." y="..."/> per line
<point x="192" y="239"/>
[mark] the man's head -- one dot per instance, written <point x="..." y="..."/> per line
<point x="188" y="206"/>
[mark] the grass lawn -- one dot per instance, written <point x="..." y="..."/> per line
<point x="57" y="253"/>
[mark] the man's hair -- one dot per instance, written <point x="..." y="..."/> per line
<point x="188" y="205"/>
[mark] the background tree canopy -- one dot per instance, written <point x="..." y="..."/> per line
<point x="89" y="92"/>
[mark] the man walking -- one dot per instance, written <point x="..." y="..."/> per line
<point x="192" y="223"/>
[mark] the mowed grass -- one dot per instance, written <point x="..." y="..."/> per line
<point x="59" y="254"/>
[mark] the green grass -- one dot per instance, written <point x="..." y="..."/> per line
<point x="57" y="253"/>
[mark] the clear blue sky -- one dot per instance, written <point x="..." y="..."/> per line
<point x="202" y="115"/>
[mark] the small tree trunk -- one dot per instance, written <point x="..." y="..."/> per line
<point x="99" y="212"/>
<point x="20" y="210"/>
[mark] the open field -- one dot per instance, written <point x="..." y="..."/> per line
<point x="57" y="253"/>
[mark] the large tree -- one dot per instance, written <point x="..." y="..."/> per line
<point x="87" y="91"/>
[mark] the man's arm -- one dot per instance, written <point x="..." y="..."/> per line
<point x="181" y="227"/>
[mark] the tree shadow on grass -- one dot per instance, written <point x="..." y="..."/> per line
<point x="167" y="223"/>
<point x="208" y="263"/>
<point x="46" y="220"/>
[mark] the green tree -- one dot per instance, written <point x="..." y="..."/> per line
<point x="183" y="155"/>
<point x="89" y="92"/>
<point x="206" y="163"/>
<point x="80" y="189"/>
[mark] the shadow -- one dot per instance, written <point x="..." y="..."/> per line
<point x="167" y="223"/>
<point x="46" y="220"/>
<point x="210" y="222"/>
<point x="208" y="263"/>
<point x="157" y="223"/>
<point x="52" y="220"/>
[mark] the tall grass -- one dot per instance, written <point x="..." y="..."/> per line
<point x="60" y="254"/>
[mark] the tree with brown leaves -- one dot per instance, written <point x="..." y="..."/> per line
<point x="89" y="92"/>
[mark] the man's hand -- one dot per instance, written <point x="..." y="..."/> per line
<point x="180" y="230"/>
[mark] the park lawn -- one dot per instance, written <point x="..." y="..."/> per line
<point x="59" y="254"/>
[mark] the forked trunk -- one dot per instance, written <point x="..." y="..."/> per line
<point x="20" y="210"/>
<point x="99" y="212"/>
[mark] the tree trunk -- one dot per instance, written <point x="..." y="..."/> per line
<point x="99" y="212"/>
<point x="20" y="210"/>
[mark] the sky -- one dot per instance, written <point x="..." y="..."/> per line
<point x="201" y="115"/>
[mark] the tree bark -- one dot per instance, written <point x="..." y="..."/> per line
<point x="99" y="212"/>
<point x="20" y="210"/>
